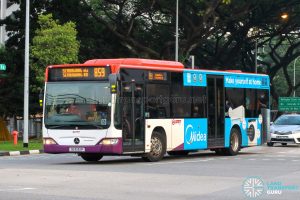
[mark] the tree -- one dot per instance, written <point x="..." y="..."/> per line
<point x="11" y="91"/>
<point x="53" y="44"/>
<point x="220" y="33"/>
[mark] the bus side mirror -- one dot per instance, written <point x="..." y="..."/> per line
<point x="41" y="97"/>
<point x="113" y="81"/>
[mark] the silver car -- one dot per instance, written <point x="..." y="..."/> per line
<point x="285" y="130"/>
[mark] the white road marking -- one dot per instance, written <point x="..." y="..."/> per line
<point x="17" y="189"/>
<point x="282" y="152"/>
<point x="179" y="162"/>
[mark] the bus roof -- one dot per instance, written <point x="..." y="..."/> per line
<point x="154" y="64"/>
<point x="136" y="61"/>
<point x="139" y="63"/>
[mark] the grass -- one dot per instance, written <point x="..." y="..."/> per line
<point x="32" y="145"/>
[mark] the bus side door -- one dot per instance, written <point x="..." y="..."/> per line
<point x="133" y="121"/>
<point x="216" y="112"/>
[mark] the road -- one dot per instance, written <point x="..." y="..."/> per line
<point x="202" y="175"/>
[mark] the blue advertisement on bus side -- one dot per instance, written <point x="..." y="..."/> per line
<point x="194" y="79"/>
<point x="246" y="81"/>
<point x="195" y="134"/>
<point x="197" y="78"/>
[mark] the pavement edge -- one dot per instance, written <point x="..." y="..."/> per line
<point x="18" y="153"/>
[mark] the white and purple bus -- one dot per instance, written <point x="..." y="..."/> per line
<point x="148" y="108"/>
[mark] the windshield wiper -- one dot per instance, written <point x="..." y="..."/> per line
<point x="96" y="126"/>
<point x="75" y="125"/>
<point x="58" y="126"/>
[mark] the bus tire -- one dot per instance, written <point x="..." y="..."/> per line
<point x="220" y="151"/>
<point x="91" y="157"/>
<point x="235" y="143"/>
<point x="270" y="144"/>
<point x="178" y="153"/>
<point x="158" y="148"/>
<point x="284" y="144"/>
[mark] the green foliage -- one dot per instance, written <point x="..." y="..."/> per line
<point x="34" y="144"/>
<point x="11" y="86"/>
<point x="53" y="44"/>
<point x="226" y="1"/>
<point x="220" y="33"/>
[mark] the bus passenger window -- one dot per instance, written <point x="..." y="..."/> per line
<point x="181" y="97"/>
<point x="263" y="100"/>
<point x="157" y="104"/>
<point x="199" y="102"/>
<point x="250" y="102"/>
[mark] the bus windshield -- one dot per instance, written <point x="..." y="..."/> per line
<point x="77" y="105"/>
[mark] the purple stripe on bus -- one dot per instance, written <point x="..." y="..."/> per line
<point x="178" y="148"/>
<point x="105" y="149"/>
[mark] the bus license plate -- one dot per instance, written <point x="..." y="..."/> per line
<point x="76" y="149"/>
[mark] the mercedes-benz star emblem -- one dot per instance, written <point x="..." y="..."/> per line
<point x="76" y="140"/>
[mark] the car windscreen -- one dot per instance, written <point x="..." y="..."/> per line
<point x="288" y="120"/>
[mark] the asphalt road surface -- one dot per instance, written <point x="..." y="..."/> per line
<point x="256" y="173"/>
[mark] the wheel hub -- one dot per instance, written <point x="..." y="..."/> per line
<point x="234" y="142"/>
<point x="156" y="146"/>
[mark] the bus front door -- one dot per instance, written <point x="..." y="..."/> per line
<point x="133" y="117"/>
<point x="216" y="112"/>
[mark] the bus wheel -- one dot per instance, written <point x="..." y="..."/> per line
<point x="270" y="144"/>
<point x="284" y="144"/>
<point x="235" y="143"/>
<point x="91" y="157"/>
<point x="158" y="148"/>
<point x="178" y="153"/>
<point x="220" y="151"/>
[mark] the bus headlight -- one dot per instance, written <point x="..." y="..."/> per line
<point x="109" y="141"/>
<point x="49" y="141"/>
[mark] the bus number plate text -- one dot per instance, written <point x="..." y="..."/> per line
<point x="76" y="149"/>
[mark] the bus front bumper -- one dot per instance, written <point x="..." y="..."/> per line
<point x="105" y="149"/>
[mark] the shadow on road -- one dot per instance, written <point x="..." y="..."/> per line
<point x="127" y="160"/>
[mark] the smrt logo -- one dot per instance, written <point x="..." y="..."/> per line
<point x="176" y="121"/>
<point x="193" y="136"/>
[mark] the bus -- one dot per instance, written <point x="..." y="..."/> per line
<point x="147" y="108"/>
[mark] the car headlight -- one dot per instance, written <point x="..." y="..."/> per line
<point x="296" y="131"/>
<point x="49" y="141"/>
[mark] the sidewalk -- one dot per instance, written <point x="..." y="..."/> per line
<point x="18" y="153"/>
<point x="13" y="148"/>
